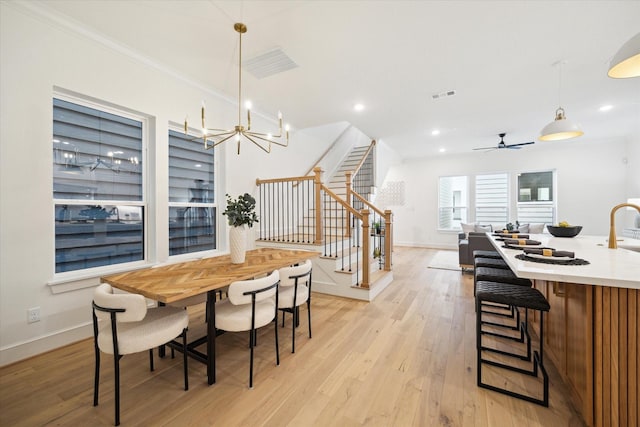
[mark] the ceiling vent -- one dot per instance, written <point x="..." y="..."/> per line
<point x="443" y="94"/>
<point x="269" y="63"/>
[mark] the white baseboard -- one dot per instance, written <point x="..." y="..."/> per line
<point x="42" y="344"/>
<point x="450" y="247"/>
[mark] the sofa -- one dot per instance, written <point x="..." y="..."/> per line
<point x="469" y="243"/>
<point x="474" y="237"/>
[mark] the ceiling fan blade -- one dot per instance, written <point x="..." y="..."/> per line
<point x="485" y="148"/>
<point x="521" y="144"/>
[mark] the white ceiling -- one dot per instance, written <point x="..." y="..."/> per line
<point x="392" y="56"/>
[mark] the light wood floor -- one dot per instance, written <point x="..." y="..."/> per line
<point x="407" y="359"/>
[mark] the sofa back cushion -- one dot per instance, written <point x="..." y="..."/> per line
<point x="475" y="228"/>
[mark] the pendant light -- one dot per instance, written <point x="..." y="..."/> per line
<point x="626" y="62"/>
<point x="561" y="127"/>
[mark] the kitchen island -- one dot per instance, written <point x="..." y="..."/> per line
<point x="592" y="332"/>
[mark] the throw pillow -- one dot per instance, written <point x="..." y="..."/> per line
<point x="524" y="228"/>
<point x="483" y="228"/>
<point x="536" y="228"/>
<point x="467" y="228"/>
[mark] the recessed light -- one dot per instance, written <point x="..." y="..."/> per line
<point x="358" y="107"/>
<point x="606" y="107"/>
<point x="198" y="165"/>
<point x="435" y="132"/>
<point x="442" y="150"/>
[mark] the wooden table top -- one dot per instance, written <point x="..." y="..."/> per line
<point x="173" y="282"/>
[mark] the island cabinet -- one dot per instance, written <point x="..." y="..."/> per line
<point x="592" y="338"/>
<point x="592" y="330"/>
<point x="567" y="343"/>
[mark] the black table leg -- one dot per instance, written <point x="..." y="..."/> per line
<point x="211" y="337"/>
<point x="161" y="350"/>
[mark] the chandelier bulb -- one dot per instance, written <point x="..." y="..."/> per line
<point x="248" y="105"/>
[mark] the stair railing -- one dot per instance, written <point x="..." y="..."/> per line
<point x="381" y="229"/>
<point x="363" y="178"/>
<point x="286" y="208"/>
<point x="344" y="231"/>
<point x="303" y="210"/>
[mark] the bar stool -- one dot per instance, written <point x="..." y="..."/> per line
<point x="500" y="275"/>
<point x="490" y="262"/>
<point x="518" y="296"/>
<point x="486" y="254"/>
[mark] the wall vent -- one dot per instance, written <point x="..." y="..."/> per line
<point x="269" y="63"/>
<point x="444" y="94"/>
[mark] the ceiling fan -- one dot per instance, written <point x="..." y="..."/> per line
<point x="503" y="145"/>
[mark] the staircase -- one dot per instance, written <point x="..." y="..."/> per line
<point x="337" y="183"/>
<point x="343" y="269"/>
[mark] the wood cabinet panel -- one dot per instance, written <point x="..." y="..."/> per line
<point x="556" y="325"/>
<point x="579" y="358"/>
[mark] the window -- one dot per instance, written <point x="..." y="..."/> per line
<point x="97" y="186"/>
<point x="452" y="202"/>
<point x="192" y="209"/>
<point x="492" y="199"/>
<point x="535" y="197"/>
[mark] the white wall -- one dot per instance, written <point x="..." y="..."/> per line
<point x="386" y="157"/>
<point x="38" y="54"/>
<point x="591" y="179"/>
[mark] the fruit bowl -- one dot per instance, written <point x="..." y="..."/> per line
<point x="571" y="231"/>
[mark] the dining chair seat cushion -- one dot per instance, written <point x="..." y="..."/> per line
<point x="285" y="296"/>
<point x="236" y="318"/>
<point x="159" y="326"/>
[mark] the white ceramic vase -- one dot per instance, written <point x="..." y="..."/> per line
<point x="237" y="244"/>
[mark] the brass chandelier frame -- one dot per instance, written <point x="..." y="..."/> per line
<point x="214" y="137"/>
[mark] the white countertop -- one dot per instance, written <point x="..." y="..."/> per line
<point x="618" y="268"/>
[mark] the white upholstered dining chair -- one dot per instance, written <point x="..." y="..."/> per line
<point x="123" y="324"/>
<point x="295" y="290"/>
<point x="251" y="304"/>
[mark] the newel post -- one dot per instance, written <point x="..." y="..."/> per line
<point x="317" y="181"/>
<point x="349" y="197"/>
<point x="388" y="240"/>
<point x="366" y="264"/>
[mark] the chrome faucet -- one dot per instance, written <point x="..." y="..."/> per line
<point x="612" y="223"/>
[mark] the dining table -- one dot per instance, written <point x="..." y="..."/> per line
<point x="171" y="283"/>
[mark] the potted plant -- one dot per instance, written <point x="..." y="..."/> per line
<point x="240" y="212"/>
<point x="377" y="227"/>
<point x="511" y="227"/>
<point x="376" y="252"/>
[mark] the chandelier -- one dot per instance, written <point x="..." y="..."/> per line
<point x="215" y="137"/>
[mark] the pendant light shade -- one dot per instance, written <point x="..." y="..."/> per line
<point x="560" y="128"/>
<point x="626" y="62"/>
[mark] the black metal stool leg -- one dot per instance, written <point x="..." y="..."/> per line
<point x="526" y="298"/>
